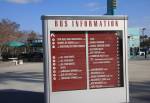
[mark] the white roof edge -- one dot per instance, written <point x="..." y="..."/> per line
<point x="47" y="17"/>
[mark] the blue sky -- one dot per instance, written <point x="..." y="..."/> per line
<point x="27" y="13"/>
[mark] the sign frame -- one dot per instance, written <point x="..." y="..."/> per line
<point x="104" y="93"/>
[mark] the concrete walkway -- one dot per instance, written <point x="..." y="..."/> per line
<point x="139" y="77"/>
<point x="24" y="83"/>
<point x="21" y="83"/>
<point x="26" y="77"/>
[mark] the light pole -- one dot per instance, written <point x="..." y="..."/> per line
<point x="143" y="30"/>
<point x="143" y="41"/>
<point x="143" y="34"/>
<point x="111" y="6"/>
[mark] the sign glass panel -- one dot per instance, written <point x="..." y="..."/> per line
<point x="71" y="52"/>
<point x="104" y="59"/>
<point x="68" y="61"/>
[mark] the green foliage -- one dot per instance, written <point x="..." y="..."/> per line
<point x="9" y="31"/>
<point x="145" y="41"/>
<point x="2" y="36"/>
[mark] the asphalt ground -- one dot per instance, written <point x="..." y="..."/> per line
<point x="139" y="81"/>
<point x="21" y="83"/>
<point x="26" y="77"/>
<point x="24" y="83"/>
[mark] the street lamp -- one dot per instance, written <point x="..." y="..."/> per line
<point x="143" y="34"/>
<point x="111" y="6"/>
<point x="143" y="30"/>
<point x="144" y="45"/>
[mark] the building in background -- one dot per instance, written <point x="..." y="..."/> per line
<point x="133" y="42"/>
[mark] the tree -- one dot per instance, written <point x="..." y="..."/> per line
<point x="8" y="30"/>
<point x="32" y="35"/>
<point x="145" y="41"/>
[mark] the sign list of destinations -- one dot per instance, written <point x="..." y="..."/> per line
<point x="104" y="68"/>
<point x="69" y="61"/>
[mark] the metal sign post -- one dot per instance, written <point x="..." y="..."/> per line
<point x="85" y="59"/>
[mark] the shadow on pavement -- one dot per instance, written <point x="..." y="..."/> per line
<point x="139" y="58"/>
<point x="21" y="76"/>
<point x="139" y="92"/>
<point x="18" y="96"/>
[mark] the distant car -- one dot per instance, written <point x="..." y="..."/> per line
<point x="32" y="57"/>
<point x="141" y="53"/>
<point x="36" y="57"/>
<point x="1" y="57"/>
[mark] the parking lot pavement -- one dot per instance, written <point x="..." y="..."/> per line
<point x="21" y="83"/>
<point x="25" y="82"/>
<point x="26" y="77"/>
<point x="139" y="77"/>
<point x="141" y="58"/>
<point x="20" y="96"/>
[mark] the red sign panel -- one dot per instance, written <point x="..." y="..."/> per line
<point x="68" y="62"/>
<point x="103" y="60"/>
